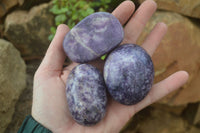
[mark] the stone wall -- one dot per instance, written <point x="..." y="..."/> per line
<point x="190" y="8"/>
<point x="179" y="50"/>
<point x="24" y="30"/>
<point x="178" y="112"/>
<point x="12" y="81"/>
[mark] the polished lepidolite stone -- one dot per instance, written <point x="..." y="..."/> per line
<point x="129" y="74"/>
<point x="93" y="37"/>
<point x="86" y="94"/>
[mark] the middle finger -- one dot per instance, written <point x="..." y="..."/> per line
<point x="138" y="21"/>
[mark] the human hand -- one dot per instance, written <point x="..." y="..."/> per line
<point x="49" y="94"/>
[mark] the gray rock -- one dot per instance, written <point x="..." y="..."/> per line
<point x="197" y="116"/>
<point x="189" y="8"/>
<point x="6" y="5"/>
<point x="194" y="130"/>
<point x="12" y="81"/>
<point x="192" y="113"/>
<point x="178" y="50"/>
<point x="24" y="103"/>
<point x="30" y="3"/>
<point x="29" y="31"/>
<point x="152" y="120"/>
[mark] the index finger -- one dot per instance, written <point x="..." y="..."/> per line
<point x="124" y="11"/>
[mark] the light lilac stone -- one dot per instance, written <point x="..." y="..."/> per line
<point x="128" y="74"/>
<point x="94" y="36"/>
<point x="86" y="94"/>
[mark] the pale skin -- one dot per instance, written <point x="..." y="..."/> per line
<point x="49" y="98"/>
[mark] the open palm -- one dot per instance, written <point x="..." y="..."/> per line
<point x="49" y="98"/>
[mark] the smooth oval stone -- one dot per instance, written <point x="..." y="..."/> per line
<point x="86" y="94"/>
<point x="94" y="36"/>
<point x="128" y="74"/>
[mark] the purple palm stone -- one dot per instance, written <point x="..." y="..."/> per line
<point x="86" y="94"/>
<point x="94" y="36"/>
<point x="129" y="74"/>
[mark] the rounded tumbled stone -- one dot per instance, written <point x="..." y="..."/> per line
<point x="86" y="95"/>
<point x="128" y="74"/>
<point x="94" y="36"/>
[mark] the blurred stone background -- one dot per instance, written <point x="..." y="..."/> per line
<point x="24" y="29"/>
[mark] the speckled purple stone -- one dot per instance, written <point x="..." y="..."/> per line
<point x="86" y="94"/>
<point x="129" y="74"/>
<point x="94" y="36"/>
